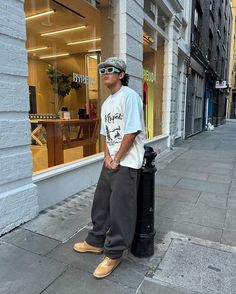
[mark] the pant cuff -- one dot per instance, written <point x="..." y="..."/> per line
<point x="113" y="255"/>
<point x="93" y="242"/>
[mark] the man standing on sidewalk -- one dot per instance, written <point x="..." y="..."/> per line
<point x="115" y="201"/>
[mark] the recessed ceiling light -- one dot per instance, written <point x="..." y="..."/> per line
<point x="82" y="42"/>
<point x="63" y="31"/>
<point x="54" y="55"/>
<point x="40" y="14"/>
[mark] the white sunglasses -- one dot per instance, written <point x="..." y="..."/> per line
<point x="108" y="70"/>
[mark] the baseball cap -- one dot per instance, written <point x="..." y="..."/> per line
<point x="113" y="61"/>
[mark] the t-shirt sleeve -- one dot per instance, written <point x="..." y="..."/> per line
<point x="102" y="129"/>
<point x="133" y="118"/>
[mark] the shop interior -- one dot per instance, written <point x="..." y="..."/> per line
<point x="153" y="65"/>
<point x="64" y="44"/>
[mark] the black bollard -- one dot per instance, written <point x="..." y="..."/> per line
<point x="143" y="243"/>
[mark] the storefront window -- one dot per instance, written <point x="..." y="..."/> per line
<point x="65" y="42"/>
<point x="153" y="64"/>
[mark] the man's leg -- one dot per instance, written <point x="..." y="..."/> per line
<point x="100" y="210"/>
<point x="123" y="211"/>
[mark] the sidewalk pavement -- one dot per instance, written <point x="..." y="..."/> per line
<point x="195" y="242"/>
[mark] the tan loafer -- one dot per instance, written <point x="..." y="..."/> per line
<point x="106" y="267"/>
<point x="84" y="247"/>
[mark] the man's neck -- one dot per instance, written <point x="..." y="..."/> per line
<point x="115" y="88"/>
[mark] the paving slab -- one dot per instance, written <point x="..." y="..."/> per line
<point x="75" y="281"/>
<point x="213" y="199"/>
<point x="178" y="194"/>
<point x="208" y="216"/>
<point x="219" y="178"/>
<point x="209" y="157"/>
<point x="230" y="221"/>
<point x="172" y="209"/>
<point x="204" y="186"/>
<point x="23" y="272"/>
<point x="231" y="203"/>
<point x="219" y="165"/>
<point x="64" y="253"/>
<point x="160" y="248"/>
<point x="198" y="268"/>
<point x="191" y="162"/>
<point x="169" y="181"/>
<point x="62" y="221"/>
<point x="198" y="169"/>
<point x="30" y="241"/>
<point x="234" y="173"/>
<point x="129" y="274"/>
<point x="229" y="238"/>
<point x="88" y="262"/>
<point x="183" y="173"/>
<point x="232" y="191"/>
<point x="165" y="225"/>
<point x="150" y="286"/>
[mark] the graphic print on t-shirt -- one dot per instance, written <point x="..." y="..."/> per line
<point x="113" y="128"/>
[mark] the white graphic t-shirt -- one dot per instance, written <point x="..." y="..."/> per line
<point x="122" y="113"/>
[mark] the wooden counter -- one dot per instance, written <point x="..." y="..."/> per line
<point x="58" y="138"/>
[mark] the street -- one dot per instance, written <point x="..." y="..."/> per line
<point x="195" y="242"/>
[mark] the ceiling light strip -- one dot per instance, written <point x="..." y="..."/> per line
<point x="54" y="56"/>
<point x="63" y="31"/>
<point x="37" y="49"/>
<point x="40" y="14"/>
<point x="94" y="50"/>
<point x="82" y="42"/>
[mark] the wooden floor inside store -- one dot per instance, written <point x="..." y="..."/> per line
<point x="40" y="156"/>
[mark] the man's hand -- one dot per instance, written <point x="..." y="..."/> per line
<point x="108" y="161"/>
<point x="114" y="164"/>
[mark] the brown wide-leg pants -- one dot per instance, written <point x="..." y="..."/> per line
<point x="114" y="210"/>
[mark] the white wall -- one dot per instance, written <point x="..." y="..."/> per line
<point x="18" y="195"/>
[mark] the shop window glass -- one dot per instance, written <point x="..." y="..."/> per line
<point x="66" y="40"/>
<point x="153" y="64"/>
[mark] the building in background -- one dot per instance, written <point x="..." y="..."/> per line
<point x="208" y="69"/>
<point x="231" y="106"/>
<point x="51" y="94"/>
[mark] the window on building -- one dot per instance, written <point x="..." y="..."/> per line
<point x="210" y="45"/>
<point x="212" y="9"/>
<point x="222" y="67"/>
<point x="219" y="20"/>
<point x="65" y="42"/>
<point x="150" y="8"/>
<point x="225" y="37"/>
<point x="162" y="19"/>
<point x="197" y="24"/>
<point x="153" y="66"/>
<point x="217" y="58"/>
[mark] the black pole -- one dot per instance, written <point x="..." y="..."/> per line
<point x="143" y="243"/>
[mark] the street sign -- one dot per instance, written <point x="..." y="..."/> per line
<point x="221" y="85"/>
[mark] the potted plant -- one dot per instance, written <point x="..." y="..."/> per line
<point x="61" y="85"/>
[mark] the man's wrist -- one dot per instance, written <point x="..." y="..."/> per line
<point x="116" y="161"/>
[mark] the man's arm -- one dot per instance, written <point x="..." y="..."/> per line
<point x="107" y="157"/>
<point x="126" y="143"/>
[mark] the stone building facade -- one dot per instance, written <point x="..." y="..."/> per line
<point x="151" y="36"/>
<point x="209" y="64"/>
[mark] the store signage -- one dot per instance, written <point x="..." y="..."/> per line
<point x="148" y="76"/>
<point x="83" y="79"/>
<point x="221" y="85"/>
